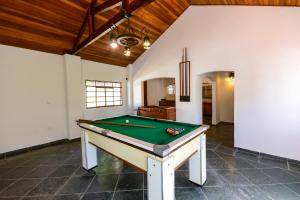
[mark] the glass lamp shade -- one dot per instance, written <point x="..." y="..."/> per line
<point x="113" y="40"/>
<point x="146" y="42"/>
<point x="127" y="51"/>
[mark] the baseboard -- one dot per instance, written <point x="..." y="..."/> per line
<point x="261" y="155"/>
<point x="35" y="147"/>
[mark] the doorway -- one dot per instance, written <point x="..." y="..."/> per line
<point x="218" y="105"/>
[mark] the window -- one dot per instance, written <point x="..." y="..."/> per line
<point x="103" y="94"/>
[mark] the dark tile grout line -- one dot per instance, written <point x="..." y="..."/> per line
<point x="87" y="187"/>
<point x="261" y="170"/>
<point x="249" y="181"/>
<point x="41" y="179"/>
<point x="16" y="180"/>
<point x="259" y="161"/>
<point x="59" y="189"/>
<point x="113" y="196"/>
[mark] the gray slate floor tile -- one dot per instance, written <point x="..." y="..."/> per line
<point x="67" y="197"/>
<point x="182" y="179"/>
<point x="250" y="193"/>
<point x="103" y="183"/>
<point x="128" y="195"/>
<point x="219" y="193"/>
<point x="189" y="194"/>
<point x="41" y="171"/>
<point x="4" y="183"/>
<point x="48" y="186"/>
<point x="234" y="177"/>
<point x="279" y="192"/>
<point x="20" y="187"/>
<point x="256" y="176"/>
<point x="295" y="187"/>
<point x="76" y="185"/>
<point x="64" y="171"/>
<point x="98" y="196"/>
<point x="130" y="181"/>
<point x="16" y="173"/>
<point x="280" y="175"/>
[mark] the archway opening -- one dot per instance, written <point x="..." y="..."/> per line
<point x="158" y="98"/>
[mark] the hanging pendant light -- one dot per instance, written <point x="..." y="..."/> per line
<point x="129" y="38"/>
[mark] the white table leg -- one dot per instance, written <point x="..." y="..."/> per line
<point x="161" y="179"/>
<point x="197" y="163"/>
<point x="89" y="153"/>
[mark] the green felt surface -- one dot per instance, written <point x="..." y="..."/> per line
<point x="157" y="135"/>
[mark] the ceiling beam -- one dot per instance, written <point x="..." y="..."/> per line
<point x="117" y="19"/>
<point x="107" y="5"/>
<point x="88" y="19"/>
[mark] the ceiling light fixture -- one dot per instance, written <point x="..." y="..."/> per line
<point x="128" y="38"/>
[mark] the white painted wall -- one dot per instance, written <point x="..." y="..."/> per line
<point x="43" y="94"/>
<point x="261" y="45"/>
<point x="74" y="90"/>
<point x="32" y="101"/>
<point x="104" y="72"/>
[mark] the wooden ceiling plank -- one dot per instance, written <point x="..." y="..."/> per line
<point x="107" y="5"/>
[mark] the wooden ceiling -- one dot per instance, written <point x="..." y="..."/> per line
<point x="54" y="25"/>
<point x="248" y="2"/>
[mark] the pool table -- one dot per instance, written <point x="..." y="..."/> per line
<point x="151" y="150"/>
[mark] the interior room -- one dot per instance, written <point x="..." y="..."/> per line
<point x="158" y="99"/>
<point x="149" y="99"/>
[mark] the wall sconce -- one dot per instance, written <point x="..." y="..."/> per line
<point x="231" y="76"/>
<point x="171" y="89"/>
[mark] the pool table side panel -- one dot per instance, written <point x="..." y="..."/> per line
<point x="123" y="151"/>
<point x="160" y="150"/>
<point x="186" y="138"/>
<point x="184" y="152"/>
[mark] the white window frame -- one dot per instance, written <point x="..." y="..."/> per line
<point x="101" y="87"/>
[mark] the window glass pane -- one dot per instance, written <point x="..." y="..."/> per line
<point x="90" y="83"/>
<point x="91" y="94"/>
<point x="100" y="89"/>
<point x="117" y="84"/>
<point x="110" y="94"/>
<point x="117" y="89"/>
<point x="109" y="98"/>
<point x="102" y="94"/>
<point x="109" y="103"/>
<point x="99" y="83"/>
<point x="117" y="103"/>
<point x="118" y="94"/>
<point x="101" y="99"/>
<point x="109" y="89"/>
<point x="100" y="103"/>
<point x="108" y="84"/>
<point x="91" y="105"/>
<point x="117" y="98"/>
<point x="90" y="88"/>
<point x="90" y="99"/>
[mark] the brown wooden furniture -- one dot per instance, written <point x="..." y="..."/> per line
<point x="160" y="112"/>
<point x="164" y="102"/>
<point x="207" y="108"/>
